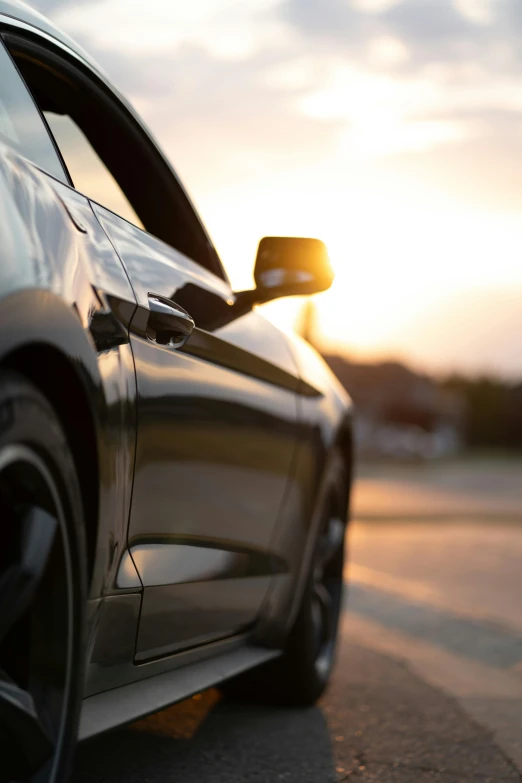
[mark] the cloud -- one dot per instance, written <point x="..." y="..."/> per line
<point x="483" y="170"/>
<point x="220" y="120"/>
<point x="431" y="30"/>
<point x="49" y="7"/>
<point x="225" y="28"/>
<point x="433" y="85"/>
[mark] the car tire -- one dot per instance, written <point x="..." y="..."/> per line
<point x="42" y="588"/>
<point x="300" y="675"/>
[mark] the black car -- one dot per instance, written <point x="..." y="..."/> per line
<point x="174" y="470"/>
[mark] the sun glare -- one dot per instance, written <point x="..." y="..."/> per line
<point x="396" y="258"/>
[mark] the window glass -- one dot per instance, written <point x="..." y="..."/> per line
<point x="109" y="156"/>
<point x="88" y="173"/>
<point x="21" y="125"/>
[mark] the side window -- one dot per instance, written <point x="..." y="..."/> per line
<point x="21" y="125"/>
<point x="88" y="172"/>
<point x="108" y="155"/>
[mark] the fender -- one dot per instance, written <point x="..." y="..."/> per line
<point x="33" y="316"/>
<point x="65" y="290"/>
<point x="322" y="461"/>
<point x="40" y="321"/>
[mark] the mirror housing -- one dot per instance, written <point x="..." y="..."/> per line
<point x="286" y="266"/>
<point x="291" y="266"/>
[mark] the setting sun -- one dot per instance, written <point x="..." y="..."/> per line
<point x="406" y="263"/>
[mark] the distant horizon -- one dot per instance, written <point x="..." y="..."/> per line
<point x="437" y="375"/>
<point x="446" y="340"/>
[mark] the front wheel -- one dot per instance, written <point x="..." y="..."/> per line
<point x="301" y="674"/>
<point x="42" y="589"/>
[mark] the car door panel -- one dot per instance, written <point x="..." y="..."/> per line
<point x="176" y="617"/>
<point x="216" y="438"/>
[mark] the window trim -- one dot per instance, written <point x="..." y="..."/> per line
<point x="25" y="86"/>
<point x="64" y="61"/>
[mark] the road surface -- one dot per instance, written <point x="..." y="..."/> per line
<point x="428" y="682"/>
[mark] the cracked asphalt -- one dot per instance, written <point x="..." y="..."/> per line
<point x="427" y="685"/>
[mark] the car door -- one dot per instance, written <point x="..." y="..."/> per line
<point x="216" y="414"/>
<point x="216" y="436"/>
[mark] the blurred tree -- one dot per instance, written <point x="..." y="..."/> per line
<point x="494" y="411"/>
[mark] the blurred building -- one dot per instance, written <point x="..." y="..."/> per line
<point x="399" y="413"/>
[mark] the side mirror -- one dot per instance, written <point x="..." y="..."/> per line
<point x="291" y="266"/>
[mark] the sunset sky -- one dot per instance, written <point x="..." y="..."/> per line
<point x="391" y="129"/>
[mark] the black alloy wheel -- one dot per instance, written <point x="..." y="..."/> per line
<point x="327" y="590"/>
<point x="42" y="595"/>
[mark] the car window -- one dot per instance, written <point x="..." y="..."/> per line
<point x="110" y="158"/>
<point x="88" y="172"/>
<point x="21" y="125"/>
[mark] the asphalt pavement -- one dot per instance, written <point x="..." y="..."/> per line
<point x="428" y="680"/>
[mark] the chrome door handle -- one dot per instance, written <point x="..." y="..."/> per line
<point x="168" y="323"/>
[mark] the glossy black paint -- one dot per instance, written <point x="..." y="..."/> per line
<point x="225" y="444"/>
<point x="188" y="673"/>
<point x="115" y="619"/>
<point x="216" y="437"/>
<point x="49" y="287"/>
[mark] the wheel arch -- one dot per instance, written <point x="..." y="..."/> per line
<point x="43" y="340"/>
<point x="43" y="365"/>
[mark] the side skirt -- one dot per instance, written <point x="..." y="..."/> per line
<point x="127" y="703"/>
